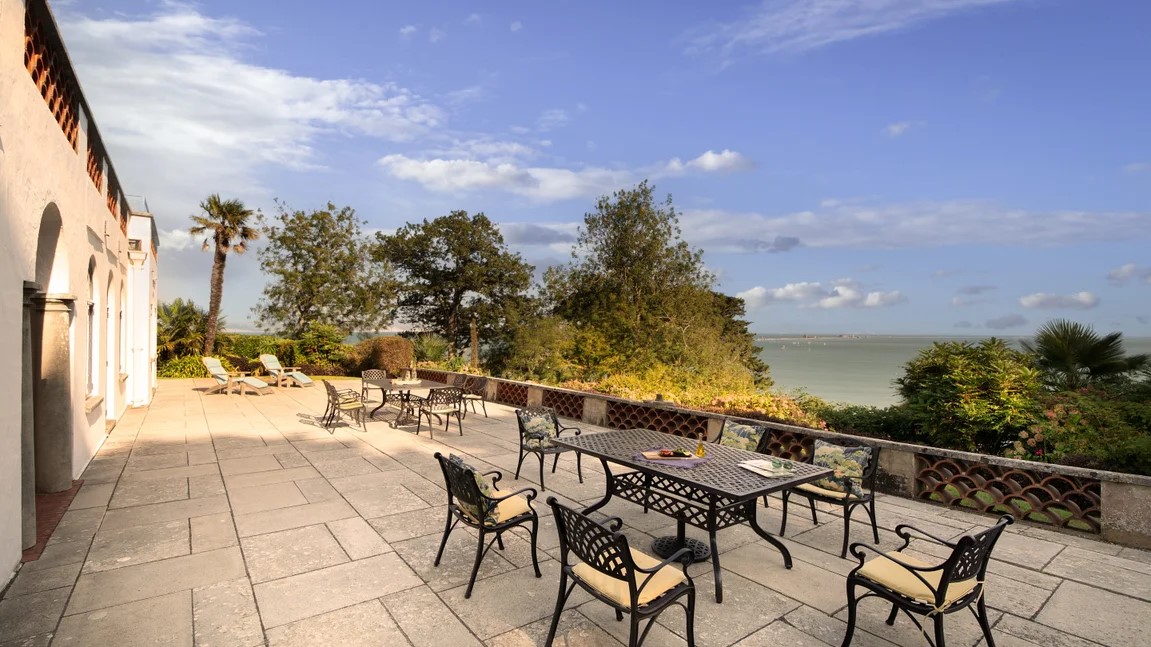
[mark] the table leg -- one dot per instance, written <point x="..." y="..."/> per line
<point x="383" y="401"/>
<point x="609" y="490"/>
<point x="754" y="522"/>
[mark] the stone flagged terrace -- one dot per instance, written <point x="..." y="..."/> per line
<point x="237" y="521"/>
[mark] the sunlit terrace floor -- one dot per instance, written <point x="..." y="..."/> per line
<point x="237" y="521"/>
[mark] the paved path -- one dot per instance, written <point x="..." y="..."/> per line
<point x="236" y="521"/>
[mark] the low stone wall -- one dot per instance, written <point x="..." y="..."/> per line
<point x="1115" y="506"/>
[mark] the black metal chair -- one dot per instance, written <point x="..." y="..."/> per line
<point x="476" y="390"/>
<point x="853" y="485"/>
<point x="471" y="502"/>
<point x="914" y="586"/>
<point x="626" y="579"/>
<point x="343" y="402"/>
<point x="372" y="374"/>
<point x="442" y="402"/>
<point x="742" y="435"/>
<point x="539" y="427"/>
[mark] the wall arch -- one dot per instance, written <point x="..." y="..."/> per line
<point x="51" y="257"/>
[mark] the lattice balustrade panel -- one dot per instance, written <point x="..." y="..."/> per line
<point x="624" y="415"/>
<point x="52" y="75"/>
<point x="789" y="444"/>
<point x="1058" y="500"/>
<point x="95" y="162"/>
<point x="567" y="405"/>
<point x="511" y="393"/>
<point x="433" y="375"/>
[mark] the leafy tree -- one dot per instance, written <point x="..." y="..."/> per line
<point x="640" y="297"/>
<point x="180" y="329"/>
<point x="226" y="224"/>
<point x="322" y="273"/>
<point x="974" y="397"/>
<point x="456" y="268"/>
<point x="1072" y="356"/>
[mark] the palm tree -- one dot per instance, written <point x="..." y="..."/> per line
<point x="226" y="223"/>
<point x="1073" y="356"/>
<point x="179" y="329"/>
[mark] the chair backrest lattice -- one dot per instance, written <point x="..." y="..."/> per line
<point x="593" y="543"/>
<point x="374" y="374"/>
<point x="459" y="380"/>
<point x="971" y="554"/>
<point x="568" y="405"/>
<point x="529" y="415"/>
<point x="476" y="385"/>
<point x="444" y="397"/>
<point x="461" y="482"/>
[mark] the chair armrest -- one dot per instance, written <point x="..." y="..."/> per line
<point x="560" y="429"/>
<point x="289" y="368"/>
<point x="529" y="492"/>
<point x="905" y="531"/>
<point x="676" y="557"/>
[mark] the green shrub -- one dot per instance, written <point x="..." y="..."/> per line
<point x="388" y="353"/>
<point x="429" y="347"/>
<point x="189" y="366"/>
<point x="973" y="397"/>
<point x="893" y="423"/>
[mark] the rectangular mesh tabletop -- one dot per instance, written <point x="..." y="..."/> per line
<point x="721" y="475"/>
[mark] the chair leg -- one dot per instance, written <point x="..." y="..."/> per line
<point x="484" y="404"/>
<point x="691" y="618"/>
<point x="476" y="566"/>
<point x="561" y="597"/>
<point x="847" y="509"/>
<point x="814" y="519"/>
<point x="555" y="463"/>
<point x="521" y="461"/>
<point x="460" y="423"/>
<point x="579" y="465"/>
<point x="543" y="487"/>
<point x="871" y="513"/>
<point x="851" y="601"/>
<point x="444" y="540"/>
<point x="891" y="616"/>
<point x="783" y="522"/>
<point x="535" y="535"/>
<point x="633" y="631"/>
<point x="618" y="615"/>
<point x="983" y="623"/>
<point x="939" y="639"/>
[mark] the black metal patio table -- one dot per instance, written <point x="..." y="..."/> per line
<point x="713" y="495"/>
<point x="405" y="389"/>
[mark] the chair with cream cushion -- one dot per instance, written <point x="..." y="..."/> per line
<point x="915" y="586"/>
<point x="628" y="580"/>
<point x="852" y="483"/>
<point x="477" y="502"/>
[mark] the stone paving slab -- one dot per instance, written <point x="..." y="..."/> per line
<point x="215" y="520"/>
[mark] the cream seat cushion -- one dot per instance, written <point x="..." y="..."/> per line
<point x="831" y="494"/>
<point x="615" y="589"/>
<point x="897" y="578"/>
<point x="507" y="509"/>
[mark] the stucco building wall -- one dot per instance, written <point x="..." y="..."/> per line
<point x="63" y="221"/>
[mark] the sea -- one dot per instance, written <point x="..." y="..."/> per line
<point x="859" y="369"/>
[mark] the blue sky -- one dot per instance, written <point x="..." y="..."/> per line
<point x="871" y="166"/>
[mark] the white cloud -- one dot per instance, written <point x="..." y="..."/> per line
<point x="796" y="26"/>
<point x="1137" y="167"/>
<point x="473" y="19"/>
<point x="725" y="160"/>
<point x="492" y="165"/>
<point x="1124" y="273"/>
<point x="898" y="128"/>
<point x="1077" y="301"/>
<point x="516" y="26"/>
<point x="174" y="90"/>
<point x="537" y="183"/>
<point x="843" y="293"/>
<point x="436" y="35"/>
<point x="864" y="224"/>
<point x="176" y="240"/>
<point x="551" y="119"/>
<point x="408" y="30"/>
